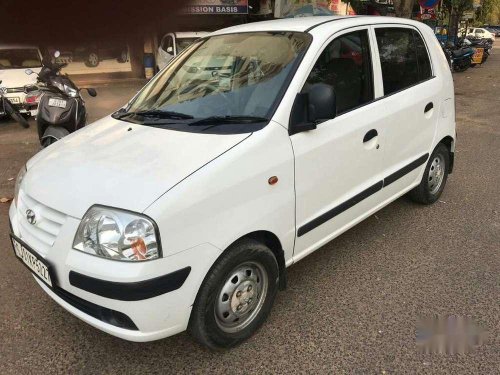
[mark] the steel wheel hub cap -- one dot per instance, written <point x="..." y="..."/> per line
<point x="436" y="174"/>
<point x="241" y="297"/>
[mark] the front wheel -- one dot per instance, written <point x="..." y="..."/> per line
<point x="46" y="142"/>
<point x="434" y="178"/>
<point x="236" y="295"/>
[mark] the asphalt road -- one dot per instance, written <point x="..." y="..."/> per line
<point x="351" y="307"/>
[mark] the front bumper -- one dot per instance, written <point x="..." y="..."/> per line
<point x="153" y="315"/>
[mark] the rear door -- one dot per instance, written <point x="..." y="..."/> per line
<point x="411" y="99"/>
<point x="339" y="165"/>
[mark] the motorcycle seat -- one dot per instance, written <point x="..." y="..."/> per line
<point x="461" y="52"/>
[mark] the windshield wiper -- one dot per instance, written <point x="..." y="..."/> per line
<point x="223" y="120"/>
<point x="154" y="113"/>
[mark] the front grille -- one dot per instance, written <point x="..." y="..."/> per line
<point x="41" y="234"/>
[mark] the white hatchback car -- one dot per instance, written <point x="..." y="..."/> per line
<point x="187" y="206"/>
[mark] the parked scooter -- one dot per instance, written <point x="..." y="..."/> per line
<point x="460" y="58"/>
<point x="478" y="43"/>
<point x="6" y="107"/>
<point x="61" y="109"/>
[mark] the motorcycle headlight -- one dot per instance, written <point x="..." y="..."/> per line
<point x="70" y="91"/>
<point x="117" y="234"/>
<point x="58" y="84"/>
<point x="19" y="179"/>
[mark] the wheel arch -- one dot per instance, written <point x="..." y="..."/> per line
<point x="272" y="241"/>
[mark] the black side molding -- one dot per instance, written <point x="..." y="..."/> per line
<point x="339" y="209"/>
<point x="405" y="170"/>
<point x="136" y="291"/>
<point x="361" y="196"/>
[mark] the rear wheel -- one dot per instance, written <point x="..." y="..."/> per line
<point x="434" y="178"/>
<point x="236" y="295"/>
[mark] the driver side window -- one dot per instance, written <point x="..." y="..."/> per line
<point x="345" y="64"/>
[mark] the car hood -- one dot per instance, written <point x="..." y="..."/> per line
<point x="17" y="77"/>
<point x="118" y="164"/>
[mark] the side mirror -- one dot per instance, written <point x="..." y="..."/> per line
<point x="92" y="92"/>
<point x="316" y="105"/>
<point x="170" y="50"/>
<point x="57" y="54"/>
<point x="28" y="72"/>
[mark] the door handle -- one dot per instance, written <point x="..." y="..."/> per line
<point x="428" y="107"/>
<point x="370" y="135"/>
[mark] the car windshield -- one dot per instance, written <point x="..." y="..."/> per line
<point x="19" y="58"/>
<point x="234" y="77"/>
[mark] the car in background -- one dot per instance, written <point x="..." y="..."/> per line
<point x="92" y="53"/>
<point x="15" y="84"/>
<point x="174" y="43"/>
<point x="478" y="32"/>
<point x="495" y="30"/>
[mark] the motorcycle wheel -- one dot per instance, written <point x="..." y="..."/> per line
<point x="46" y="142"/>
<point x="461" y="67"/>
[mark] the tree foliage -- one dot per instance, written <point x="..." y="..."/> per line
<point x="488" y="13"/>
<point x="403" y="8"/>
<point x="457" y="7"/>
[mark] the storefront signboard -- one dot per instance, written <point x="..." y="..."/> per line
<point x="216" y="7"/>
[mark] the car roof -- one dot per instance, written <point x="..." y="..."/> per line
<point x="190" y="34"/>
<point x="306" y="24"/>
<point x="17" y="46"/>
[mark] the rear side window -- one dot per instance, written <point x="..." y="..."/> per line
<point x="403" y="57"/>
<point x="346" y="65"/>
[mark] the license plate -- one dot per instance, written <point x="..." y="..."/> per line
<point x="53" y="102"/>
<point x="15" y="100"/>
<point x="32" y="260"/>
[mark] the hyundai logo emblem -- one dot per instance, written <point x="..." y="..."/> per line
<point x="31" y="217"/>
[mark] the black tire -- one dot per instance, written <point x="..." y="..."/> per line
<point x="123" y="58"/>
<point x="204" y="325"/>
<point x="92" y="59"/>
<point x="46" y="142"/>
<point x="423" y="193"/>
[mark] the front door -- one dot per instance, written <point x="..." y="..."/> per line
<point x="338" y="165"/>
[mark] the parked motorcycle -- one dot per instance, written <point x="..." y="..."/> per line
<point x="6" y="107"/>
<point x="478" y="43"/>
<point x="61" y="108"/>
<point x="460" y="58"/>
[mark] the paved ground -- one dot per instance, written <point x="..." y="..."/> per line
<point x="351" y="307"/>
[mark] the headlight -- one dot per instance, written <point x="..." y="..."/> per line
<point x="70" y="91"/>
<point x="19" y="179"/>
<point x="117" y="234"/>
